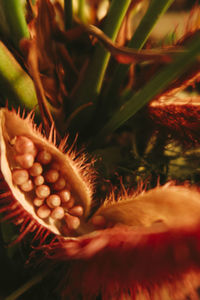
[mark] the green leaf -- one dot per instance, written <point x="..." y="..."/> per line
<point x="15" y="84"/>
<point x="155" y="11"/>
<point x="152" y="88"/>
<point x="14" y="12"/>
<point x="91" y="85"/>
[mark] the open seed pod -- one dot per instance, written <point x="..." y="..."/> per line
<point x="42" y="187"/>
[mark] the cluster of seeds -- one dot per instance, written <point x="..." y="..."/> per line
<point x="38" y="173"/>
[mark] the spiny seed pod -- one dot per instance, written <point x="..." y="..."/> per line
<point x="152" y="207"/>
<point x="30" y="184"/>
<point x="147" y="247"/>
<point x="179" y="117"/>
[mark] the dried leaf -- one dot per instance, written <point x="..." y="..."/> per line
<point x="127" y="55"/>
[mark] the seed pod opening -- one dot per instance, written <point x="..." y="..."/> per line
<point x="167" y="205"/>
<point x="21" y="135"/>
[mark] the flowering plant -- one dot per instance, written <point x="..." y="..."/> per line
<point x="99" y="144"/>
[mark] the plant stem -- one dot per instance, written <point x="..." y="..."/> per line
<point x="152" y="88"/>
<point x="68" y="12"/>
<point x="33" y="281"/>
<point x="15" y="84"/>
<point x="155" y="11"/>
<point x="81" y="10"/>
<point x="91" y="85"/>
<point x="16" y="20"/>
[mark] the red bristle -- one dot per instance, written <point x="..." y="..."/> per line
<point x="25" y="222"/>
<point x="23" y="233"/>
<point x="45" y="236"/>
<point x="53" y="241"/>
<point x="34" y="228"/>
<point x="179" y="117"/>
<point x="38" y="233"/>
<point x="13" y="214"/>
<point x="10" y="207"/>
<point x="5" y="195"/>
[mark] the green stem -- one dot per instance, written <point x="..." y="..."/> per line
<point x="81" y="10"/>
<point x="152" y="88"/>
<point x="91" y="85"/>
<point x="68" y="12"/>
<point x="155" y="11"/>
<point x="15" y="85"/>
<point x="33" y="281"/>
<point x="16" y="20"/>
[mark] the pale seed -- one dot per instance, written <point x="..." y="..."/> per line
<point x="38" y="202"/>
<point x="42" y="191"/>
<point x="59" y="184"/>
<point x="43" y="212"/>
<point x="36" y="169"/>
<point x="51" y="176"/>
<point x="65" y="195"/>
<point x="38" y="180"/>
<point x="44" y="157"/>
<point x="27" y="186"/>
<point x="76" y="211"/>
<point x="72" y="222"/>
<point x="58" y="213"/>
<point x="53" y="201"/>
<point x="25" y="160"/>
<point x="20" y="176"/>
<point x="24" y="145"/>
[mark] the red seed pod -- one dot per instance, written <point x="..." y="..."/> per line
<point x="152" y="246"/>
<point x="127" y="258"/>
<point x="20" y="137"/>
<point x="179" y="117"/>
